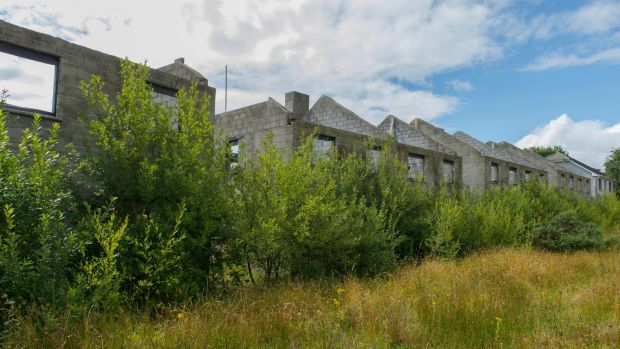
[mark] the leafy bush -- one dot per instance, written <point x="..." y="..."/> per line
<point x="565" y="232"/>
<point x="305" y="218"/>
<point x="37" y="246"/>
<point x="157" y="160"/>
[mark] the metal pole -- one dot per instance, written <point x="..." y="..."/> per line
<point x="226" y="90"/>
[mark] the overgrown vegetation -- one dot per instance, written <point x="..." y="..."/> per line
<point x="548" y="150"/>
<point x="612" y="168"/>
<point x="501" y="299"/>
<point x="156" y="215"/>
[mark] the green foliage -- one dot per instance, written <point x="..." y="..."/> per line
<point x="99" y="282"/>
<point x="156" y="159"/>
<point x="548" y="150"/>
<point x="612" y="168"/>
<point x="404" y="204"/>
<point x="304" y="217"/>
<point x="37" y="246"/>
<point x="565" y="232"/>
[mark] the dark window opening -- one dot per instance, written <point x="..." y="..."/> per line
<point x="448" y="171"/>
<point x="512" y="175"/>
<point x="234" y="152"/>
<point x="415" y="166"/>
<point x="494" y="173"/>
<point x="167" y="97"/>
<point x="373" y="155"/>
<point x="323" y="145"/>
<point x="30" y="78"/>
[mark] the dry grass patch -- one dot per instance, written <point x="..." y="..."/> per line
<point x="502" y="299"/>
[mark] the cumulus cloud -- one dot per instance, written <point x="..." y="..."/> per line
<point x="589" y="141"/>
<point x="461" y="86"/>
<point x="347" y="49"/>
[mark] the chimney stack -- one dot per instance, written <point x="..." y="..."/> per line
<point x="297" y="103"/>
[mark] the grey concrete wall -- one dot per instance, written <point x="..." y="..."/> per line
<point x="406" y="134"/>
<point x="76" y="64"/>
<point x="328" y="112"/>
<point x="251" y="124"/>
<point x="474" y="166"/>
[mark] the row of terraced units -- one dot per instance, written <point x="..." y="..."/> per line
<point x="432" y="155"/>
<point x="335" y="126"/>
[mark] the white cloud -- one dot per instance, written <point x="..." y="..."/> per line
<point x="596" y="19"/>
<point x="589" y="141"/>
<point x="593" y="18"/>
<point x="348" y="49"/>
<point x="461" y="86"/>
<point x="559" y="61"/>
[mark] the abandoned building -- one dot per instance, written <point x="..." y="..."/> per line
<point x="596" y="182"/>
<point x="424" y="157"/>
<point x="432" y="155"/>
<point x="61" y="66"/>
<point x="340" y="128"/>
<point x="556" y="175"/>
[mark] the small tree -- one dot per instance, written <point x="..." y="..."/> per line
<point x="305" y="217"/>
<point x="156" y="160"/>
<point x="37" y="245"/>
<point x="548" y="150"/>
<point x="612" y="168"/>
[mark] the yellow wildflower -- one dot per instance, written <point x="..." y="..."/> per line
<point x="180" y="316"/>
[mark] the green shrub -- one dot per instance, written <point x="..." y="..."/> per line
<point x="565" y="232"/>
<point x="37" y="246"/>
<point x="304" y="217"/>
<point x="154" y="160"/>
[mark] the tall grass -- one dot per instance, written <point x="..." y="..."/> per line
<point x="502" y="299"/>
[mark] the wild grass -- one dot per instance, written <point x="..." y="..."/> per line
<point x="500" y="299"/>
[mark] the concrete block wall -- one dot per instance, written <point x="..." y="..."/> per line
<point x="413" y="141"/>
<point x="506" y="160"/>
<point x="251" y="124"/>
<point x="76" y="64"/>
<point x="328" y="112"/>
<point x="474" y="168"/>
<point x="551" y="169"/>
<point x="405" y="134"/>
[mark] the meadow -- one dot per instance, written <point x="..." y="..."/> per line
<point x="508" y="298"/>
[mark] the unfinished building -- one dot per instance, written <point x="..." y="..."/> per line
<point x="486" y="165"/>
<point x="56" y="67"/>
<point x="556" y="175"/>
<point x="595" y="183"/>
<point x="339" y="128"/>
<point x="424" y="157"/>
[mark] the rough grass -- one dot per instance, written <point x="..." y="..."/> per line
<point x="501" y="299"/>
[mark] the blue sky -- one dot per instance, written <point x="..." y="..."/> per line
<point x="531" y="72"/>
